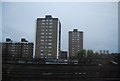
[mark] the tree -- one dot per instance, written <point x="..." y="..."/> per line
<point x="82" y="53"/>
<point x="96" y="54"/>
<point x="90" y="53"/>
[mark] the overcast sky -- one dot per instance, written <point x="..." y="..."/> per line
<point x="98" y="21"/>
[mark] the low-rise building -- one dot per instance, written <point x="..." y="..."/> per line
<point x="17" y="50"/>
<point x="63" y="55"/>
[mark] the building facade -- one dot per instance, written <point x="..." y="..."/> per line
<point x="17" y="50"/>
<point x="48" y="37"/>
<point x="63" y="55"/>
<point x="75" y="42"/>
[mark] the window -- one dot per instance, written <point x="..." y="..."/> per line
<point x="42" y="26"/>
<point x="42" y="30"/>
<point x="46" y="29"/>
<point x="27" y="48"/>
<point x="41" y="50"/>
<point x="50" y="33"/>
<point x="49" y="40"/>
<point x="73" y="41"/>
<point x="42" y="36"/>
<point x="42" y="57"/>
<point x="41" y="47"/>
<point x="43" y="23"/>
<point x="49" y="43"/>
<point x="13" y="44"/>
<point x="43" y="20"/>
<point x="50" y="26"/>
<point x="47" y="20"/>
<point x="50" y="23"/>
<point x="49" y="47"/>
<point x="50" y="29"/>
<point x="50" y="36"/>
<point x="49" y="54"/>
<point x="41" y="43"/>
<point x="46" y="40"/>
<point x="47" y="23"/>
<point x="49" y="51"/>
<point x="50" y="20"/>
<point x="42" y="33"/>
<point x="13" y="50"/>
<point x="45" y="43"/>
<point x="41" y="54"/>
<point x="41" y="40"/>
<point x="46" y="26"/>
<point x="73" y="55"/>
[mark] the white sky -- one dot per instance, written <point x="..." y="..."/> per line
<point x="60" y="0"/>
<point x="98" y="20"/>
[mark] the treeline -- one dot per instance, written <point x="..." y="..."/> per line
<point x="90" y="54"/>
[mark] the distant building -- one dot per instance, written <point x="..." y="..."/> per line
<point x="75" y="42"/>
<point x="48" y="37"/>
<point x="104" y="51"/>
<point x="63" y="55"/>
<point x="23" y="49"/>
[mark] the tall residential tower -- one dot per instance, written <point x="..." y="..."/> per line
<point x="75" y="42"/>
<point x="48" y="37"/>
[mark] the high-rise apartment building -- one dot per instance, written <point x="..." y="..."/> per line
<point x="48" y="37"/>
<point x="75" y="42"/>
